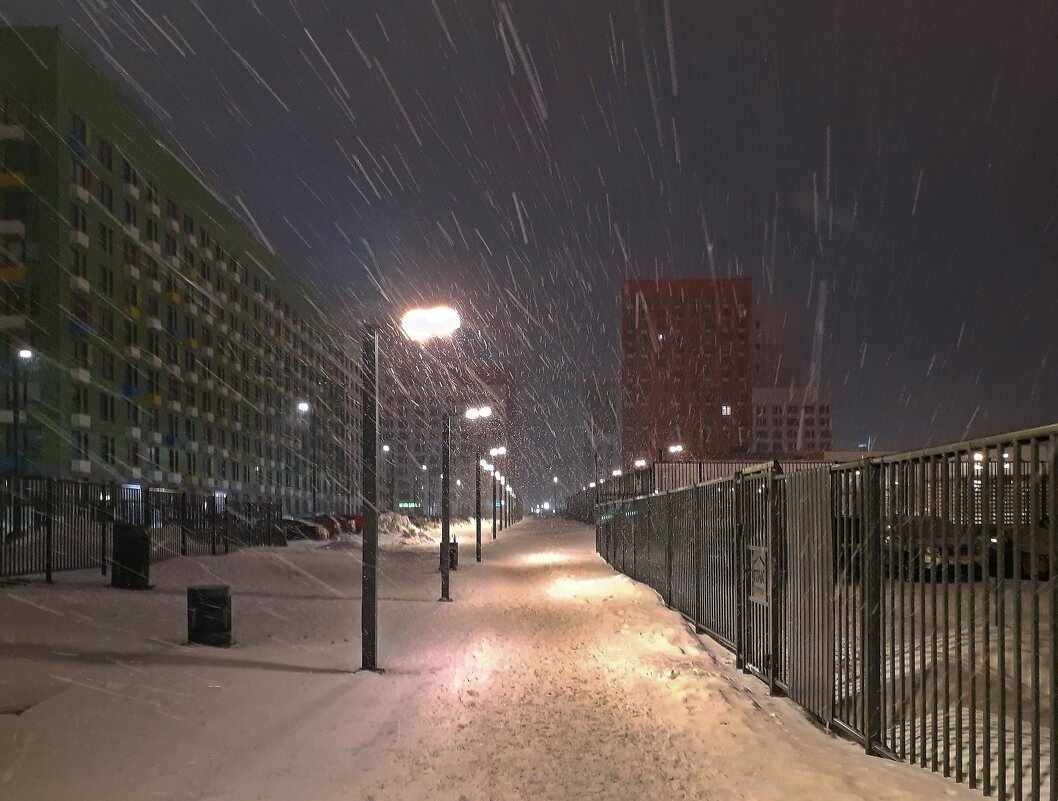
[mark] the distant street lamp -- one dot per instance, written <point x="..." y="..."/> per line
<point x="497" y="518"/>
<point x="673" y="450"/>
<point x="477" y="413"/>
<point x="639" y="463"/>
<point x="304" y="407"/>
<point x="24" y="355"/>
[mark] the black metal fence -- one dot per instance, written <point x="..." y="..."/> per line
<point x="50" y="524"/>
<point x="909" y="600"/>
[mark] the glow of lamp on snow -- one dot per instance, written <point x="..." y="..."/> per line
<point x="545" y="558"/>
<point x="639" y="463"/>
<point x="421" y="325"/>
<point x="568" y="588"/>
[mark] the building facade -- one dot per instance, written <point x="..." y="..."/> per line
<point x="148" y="336"/>
<point x="791" y="421"/>
<point x="686" y="367"/>
<point x="602" y="427"/>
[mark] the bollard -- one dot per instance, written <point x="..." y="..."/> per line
<point x="131" y="560"/>
<point x="209" y="615"/>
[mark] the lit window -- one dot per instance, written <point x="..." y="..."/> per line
<point x="725" y="409"/>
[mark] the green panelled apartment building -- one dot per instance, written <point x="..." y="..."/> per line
<point x="148" y="337"/>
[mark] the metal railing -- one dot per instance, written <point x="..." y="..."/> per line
<point x="51" y="524"/>
<point x="909" y="600"/>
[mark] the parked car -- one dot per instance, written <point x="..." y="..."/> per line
<point x="353" y="523"/>
<point x="296" y="528"/>
<point x="1026" y="551"/>
<point x="928" y="547"/>
<point x="331" y="523"/>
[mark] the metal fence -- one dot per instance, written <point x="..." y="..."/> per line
<point x="909" y="601"/>
<point x="50" y="524"/>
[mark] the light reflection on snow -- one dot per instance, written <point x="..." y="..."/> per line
<point x="480" y="661"/>
<point x="571" y="589"/>
<point x="545" y="558"/>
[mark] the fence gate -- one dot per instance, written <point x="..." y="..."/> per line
<point x="760" y="576"/>
<point x="810" y="575"/>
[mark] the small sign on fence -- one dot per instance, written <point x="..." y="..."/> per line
<point x="758" y="574"/>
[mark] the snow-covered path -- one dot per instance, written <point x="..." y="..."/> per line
<point x="550" y="677"/>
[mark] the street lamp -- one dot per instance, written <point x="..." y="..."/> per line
<point x="496" y="453"/>
<point x="673" y="450"/>
<point x="639" y="463"/>
<point x="304" y="407"/>
<point x="422" y="325"/>
<point x="477" y="413"/>
<point x="24" y="355"/>
<point x="392" y="479"/>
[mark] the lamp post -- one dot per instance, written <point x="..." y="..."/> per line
<point x="23" y="355"/>
<point x="554" y="494"/>
<point x="497" y="516"/>
<point x="422" y="325"/>
<point x="304" y="407"/>
<point x="391" y="483"/>
<point x="424" y="499"/>
<point x="369" y="454"/>
<point x="477" y="509"/>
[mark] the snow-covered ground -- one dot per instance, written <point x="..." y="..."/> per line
<point x="549" y="677"/>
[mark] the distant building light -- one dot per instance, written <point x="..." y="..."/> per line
<point x="725" y="409"/>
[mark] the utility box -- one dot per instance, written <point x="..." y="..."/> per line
<point x="131" y="561"/>
<point x="209" y="615"/>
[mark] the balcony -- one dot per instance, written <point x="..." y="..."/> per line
<point x="81" y="374"/>
<point x="173" y="225"/>
<point x="13" y="274"/>
<point x="133" y="311"/>
<point x="156" y="476"/>
<point x="79" y="238"/>
<point x="8" y="416"/>
<point x="12" y="322"/>
<point x="132" y="271"/>
<point x="80" y="283"/>
<point x="156" y="286"/>
<point x="175" y="406"/>
<point x="174" y="262"/>
<point x="155" y="398"/>
<point x="131" y="231"/>
<point x="173" y="478"/>
<point x="192" y="240"/>
<point x="174" y="370"/>
<point x="12" y="133"/>
<point x="210" y="450"/>
<point x="209" y="417"/>
<point x="191" y="378"/>
<point x="135" y="473"/>
<point x="157" y="248"/>
<point x="133" y="432"/>
<point x="192" y="411"/>
<point x="207" y="351"/>
<point x="132" y="191"/>
<point x="192" y="309"/>
<point x="156" y="438"/>
<point x="13" y="228"/>
<point x="193" y="447"/>
<point x="81" y="466"/>
<point x="132" y="352"/>
<point x="206" y="254"/>
<point x="78" y="420"/>
<point x="154" y="324"/>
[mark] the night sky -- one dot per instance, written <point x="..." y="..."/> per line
<point x="522" y="158"/>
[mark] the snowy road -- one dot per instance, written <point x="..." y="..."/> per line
<point x="550" y="677"/>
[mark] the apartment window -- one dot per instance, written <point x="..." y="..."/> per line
<point x="170" y="245"/>
<point x="80" y="399"/>
<point x="106" y="326"/>
<point x="106" y="449"/>
<point x="106" y="407"/>
<point x="174" y="461"/>
<point x="107" y="359"/>
<point x="106" y="196"/>
<point x="725" y="409"/>
<point x="152" y="229"/>
<point x="81" y="175"/>
<point x="106" y="280"/>
<point x="132" y="295"/>
<point x="130" y="175"/>
<point x="105" y="153"/>
<point x="78" y="263"/>
<point x="133" y="454"/>
<point x="78" y="219"/>
<point x="152" y="383"/>
<point x="131" y="213"/>
<point x="80" y="445"/>
<point x="78" y="129"/>
<point x="106" y="239"/>
<point x="189" y="225"/>
<point x="172" y="211"/>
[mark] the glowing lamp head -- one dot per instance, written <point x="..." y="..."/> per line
<point x="640" y="463"/>
<point x="677" y="448"/>
<point x="421" y="325"/>
<point x="385" y="448"/>
<point x="25" y="353"/>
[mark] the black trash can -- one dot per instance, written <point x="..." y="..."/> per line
<point x="131" y="561"/>
<point x="453" y="556"/>
<point x="209" y="615"/>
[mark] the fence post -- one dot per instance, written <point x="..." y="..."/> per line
<point x="102" y="547"/>
<point x="49" y="527"/>
<point x="740" y="580"/>
<point x="871" y="583"/>
<point x="213" y="525"/>
<point x="227" y="524"/>
<point x="771" y="498"/>
<point x="183" y="524"/>
<point x="699" y="524"/>
<point x="672" y="501"/>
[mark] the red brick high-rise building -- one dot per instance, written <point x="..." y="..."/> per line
<point x="686" y="367"/>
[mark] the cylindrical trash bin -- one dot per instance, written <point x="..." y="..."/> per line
<point x="453" y="556"/>
<point x="131" y="559"/>
<point x="209" y="615"/>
